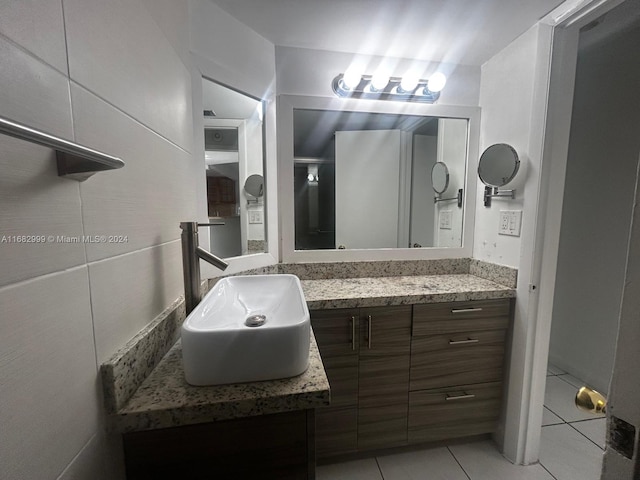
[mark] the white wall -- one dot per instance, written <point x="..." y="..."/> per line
<point x="506" y="96"/>
<point x="452" y="151"/>
<point x="513" y="98"/>
<point x="109" y="75"/>
<point x="598" y="198"/>
<point x="310" y="72"/>
<point x="422" y="194"/>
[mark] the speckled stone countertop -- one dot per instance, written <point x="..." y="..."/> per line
<point x="165" y="399"/>
<point x="403" y="290"/>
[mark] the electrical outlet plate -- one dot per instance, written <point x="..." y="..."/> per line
<point x="510" y="222"/>
<point x="255" y="216"/>
<point x="445" y="220"/>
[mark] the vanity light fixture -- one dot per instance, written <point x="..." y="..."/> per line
<point x="409" y="88"/>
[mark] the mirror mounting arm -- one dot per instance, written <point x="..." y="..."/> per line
<point x="457" y="197"/>
<point x="491" y="192"/>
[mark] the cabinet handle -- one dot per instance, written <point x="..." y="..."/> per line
<point x="463" y="342"/>
<point x="369" y="331"/>
<point x="353" y="333"/>
<point x="466" y="310"/>
<point x="459" y="397"/>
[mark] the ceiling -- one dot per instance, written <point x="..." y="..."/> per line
<point x="455" y="31"/>
<point x="227" y="103"/>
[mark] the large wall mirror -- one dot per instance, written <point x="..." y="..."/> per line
<point x="355" y="179"/>
<point x="234" y="162"/>
<point x="364" y="180"/>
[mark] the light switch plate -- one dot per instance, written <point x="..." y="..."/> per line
<point x="510" y="222"/>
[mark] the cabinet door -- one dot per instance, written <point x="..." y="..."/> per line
<point x="336" y="332"/>
<point x="385" y="348"/>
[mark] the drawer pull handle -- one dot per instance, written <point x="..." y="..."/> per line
<point x="353" y="333"/>
<point x="464" y="396"/>
<point x="466" y="310"/>
<point x="463" y="342"/>
<point x="369" y="331"/>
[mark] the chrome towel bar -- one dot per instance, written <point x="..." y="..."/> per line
<point x="74" y="161"/>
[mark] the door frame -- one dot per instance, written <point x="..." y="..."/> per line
<point x="566" y="22"/>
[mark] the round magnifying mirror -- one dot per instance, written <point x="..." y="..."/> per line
<point x="254" y="185"/>
<point x="439" y="177"/>
<point x="498" y="165"/>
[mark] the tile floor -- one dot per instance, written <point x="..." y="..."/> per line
<point x="571" y="448"/>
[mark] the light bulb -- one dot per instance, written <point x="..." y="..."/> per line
<point x="436" y="82"/>
<point x="351" y="78"/>
<point x="379" y="81"/>
<point x="310" y="177"/>
<point x="409" y="82"/>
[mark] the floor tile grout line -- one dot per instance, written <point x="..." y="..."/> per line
<point x="585" y="436"/>
<point x="379" y="468"/>
<point x="563" y="420"/>
<point x="547" y="470"/>
<point x="458" y="462"/>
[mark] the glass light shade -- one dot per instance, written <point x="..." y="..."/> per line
<point x="379" y="81"/>
<point x="436" y="82"/>
<point x="409" y="82"/>
<point x="351" y="78"/>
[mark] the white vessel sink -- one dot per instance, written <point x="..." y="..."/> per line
<point x="220" y="345"/>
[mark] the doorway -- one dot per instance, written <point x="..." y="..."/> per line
<point x="597" y="207"/>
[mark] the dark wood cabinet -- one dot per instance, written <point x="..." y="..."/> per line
<point x="457" y="368"/>
<point x="278" y="446"/>
<point x="410" y="374"/>
<point x="366" y="354"/>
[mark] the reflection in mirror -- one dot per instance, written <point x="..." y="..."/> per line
<point x="363" y="180"/>
<point x="254" y="186"/>
<point x="233" y="136"/>
<point x="440" y="177"/>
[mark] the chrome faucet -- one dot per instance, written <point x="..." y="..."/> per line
<point x="191" y="255"/>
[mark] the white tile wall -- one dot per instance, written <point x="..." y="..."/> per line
<point x="146" y="199"/>
<point x="94" y="463"/>
<point x="119" y="52"/>
<point x="36" y="203"/>
<point x="37" y="25"/>
<point x="128" y="291"/>
<point x="48" y="376"/>
<point x="173" y="19"/>
<point x="32" y="92"/>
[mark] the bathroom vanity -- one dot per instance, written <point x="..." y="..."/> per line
<point x="409" y="372"/>
<point x="408" y="358"/>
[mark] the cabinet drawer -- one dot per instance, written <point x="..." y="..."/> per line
<point x="457" y="359"/>
<point x="441" y="318"/>
<point x="440" y="414"/>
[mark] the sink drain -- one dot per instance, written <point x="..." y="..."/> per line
<point x="255" y="321"/>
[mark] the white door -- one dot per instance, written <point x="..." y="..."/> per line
<point x="367" y="188"/>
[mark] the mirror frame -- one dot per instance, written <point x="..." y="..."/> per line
<point x="288" y="103"/>
<point x="202" y="67"/>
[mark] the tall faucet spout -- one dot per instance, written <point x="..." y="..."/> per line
<point x="211" y="258"/>
<point x="191" y="255"/>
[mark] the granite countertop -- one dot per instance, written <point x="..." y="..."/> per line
<point x="402" y="290"/>
<point x="165" y="399"/>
